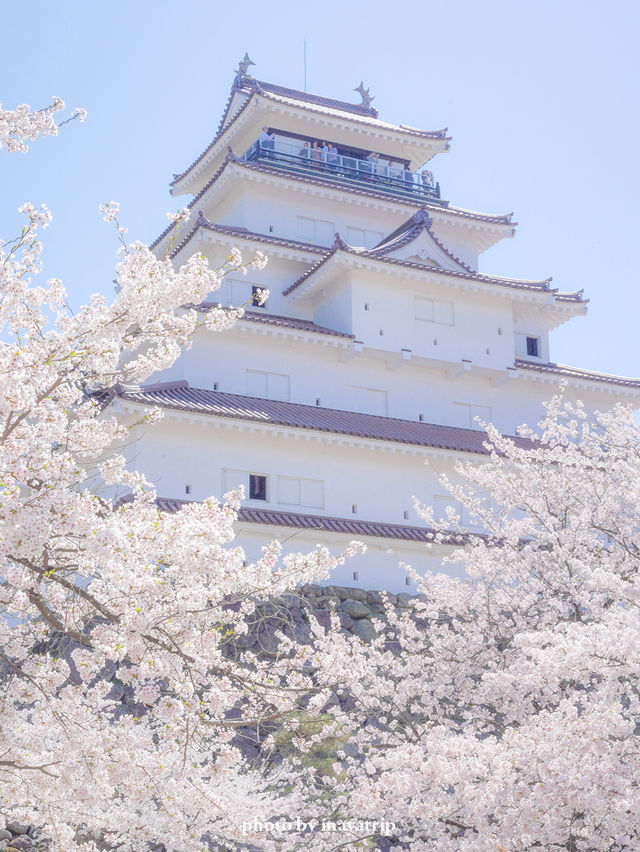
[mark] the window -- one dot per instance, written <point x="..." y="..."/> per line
<point x="234" y="292"/>
<point x="268" y="385"/>
<point x="316" y="231"/>
<point x="434" y="310"/>
<point x="528" y="346"/>
<point x="301" y="492"/>
<point x="257" y="486"/>
<point x="255" y="299"/>
<point x="467" y="413"/>
<point x="368" y="400"/>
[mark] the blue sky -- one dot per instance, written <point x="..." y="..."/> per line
<point x="541" y="100"/>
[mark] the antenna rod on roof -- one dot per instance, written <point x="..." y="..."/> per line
<point x="305" y="65"/>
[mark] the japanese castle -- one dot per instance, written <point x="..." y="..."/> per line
<point x="380" y="346"/>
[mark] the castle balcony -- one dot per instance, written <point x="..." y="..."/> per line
<point x="355" y="169"/>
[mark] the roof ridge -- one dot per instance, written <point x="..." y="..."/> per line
<point x="331" y="523"/>
<point x="383" y="125"/>
<point x="419" y="222"/>
<point x="565" y="369"/>
<point x="242" y="233"/>
<point x="490" y="218"/>
<point x="533" y="286"/>
<point x="219" y="133"/>
<point x="356" y="424"/>
<point x="279" y="319"/>
<point x="262" y="86"/>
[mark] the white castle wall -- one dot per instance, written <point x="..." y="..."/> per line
<point x="457" y="364"/>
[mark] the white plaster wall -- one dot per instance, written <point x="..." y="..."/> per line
<point x="378" y="568"/>
<point x="381" y="484"/>
<point x="477" y="320"/>
<point x="456" y="237"/>
<point x="317" y="372"/>
<point x="268" y="206"/>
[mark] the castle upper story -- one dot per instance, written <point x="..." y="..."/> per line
<point x="362" y="242"/>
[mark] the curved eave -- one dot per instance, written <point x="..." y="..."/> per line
<point x="484" y="229"/>
<point x="418" y="146"/>
<point x="335" y="528"/>
<point x="203" y="230"/>
<point x="576" y="377"/>
<point x="294" y="420"/>
<point x="337" y="259"/>
<point x="292" y="328"/>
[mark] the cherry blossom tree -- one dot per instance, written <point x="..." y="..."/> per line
<point x="502" y="712"/>
<point x="119" y="698"/>
<point x="496" y="713"/>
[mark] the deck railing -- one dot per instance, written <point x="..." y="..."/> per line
<point x="370" y="173"/>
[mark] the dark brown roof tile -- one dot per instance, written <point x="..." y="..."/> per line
<point x="314" y="418"/>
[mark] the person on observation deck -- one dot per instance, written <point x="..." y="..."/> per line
<point x="407" y="176"/>
<point x="316" y="155"/>
<point x="303" y="153"/>
<point x="332" y="157"/>
<point x="372" y="158"/>
<point x="427" y="180"/>
<point x="267" y="143"/>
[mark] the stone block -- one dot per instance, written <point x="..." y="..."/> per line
<point x="17" y="828"/>
<point x="364" y="629"/>
<point x="356" y="609"/>
<point x="346" y="622"/>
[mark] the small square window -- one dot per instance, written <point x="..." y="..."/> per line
<point x="533" y="348"/>
<point x="187" y="489"/>
<point x="354" y="509"/>
<point x="257" y="487"/>
<point x="356" y="575"/>
<point x="406" y="515"/>
<point x="255" y="299"/>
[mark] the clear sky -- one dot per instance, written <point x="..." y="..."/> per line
<point x="541" y="99"/>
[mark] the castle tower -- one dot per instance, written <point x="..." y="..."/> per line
<point x="381" y="342"/>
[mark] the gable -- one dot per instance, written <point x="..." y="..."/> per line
<point x="423" y="249"/>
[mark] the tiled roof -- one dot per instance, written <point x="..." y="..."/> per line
<point x="221" y="130"/>
<point x="370" y="121"/>
<point x="314" y="103"/>
<point x="260" y="86"/>
<point x="258" y="166"/>
<point x="243" y="233"/>
<point x="576" y="373"/>
<point x="346" y="526"/>
<point x="282" y="321"/>
<point x="442" y="207"/>
<point x="410" y="230"/>
<point x="181" y="397"/>
<point x="512" y="283"/>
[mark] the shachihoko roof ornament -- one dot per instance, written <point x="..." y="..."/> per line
<point x="243" y="66"/>
<point x="364" y="94"/>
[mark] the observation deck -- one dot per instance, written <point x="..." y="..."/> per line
<point x="355" y="169"/>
